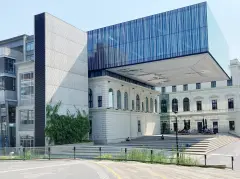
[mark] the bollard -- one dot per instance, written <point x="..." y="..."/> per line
<point x="24" y="153"/>
<point x="151" y="156"/>
<point x="205" y="159"/>
<point x="100" y="151"/>
<point x="49" y="151"/>
<point x="232" y="162"/>
<point x="74" y="152"/>
<point x="125" y="154"/>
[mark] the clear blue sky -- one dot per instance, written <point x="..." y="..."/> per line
<point x="17" y="16"/>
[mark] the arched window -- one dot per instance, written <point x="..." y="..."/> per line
<point x="147" y="105"/>
<point x="186" y="106"/>
<point x="174" y="105"/>
<point x="151" y="105"/>
<point x="110" y="98"/>
<point x="119" y="104"/>
<point x="156" y="106"/>
<point x="163" y="106"/>
<point x="142" y="106"/>
<point x="90" y="98"/>
<point x="137" y="103"/>
<point x="126" y="101"/>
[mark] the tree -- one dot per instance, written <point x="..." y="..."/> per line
<point x="66" y="129"/>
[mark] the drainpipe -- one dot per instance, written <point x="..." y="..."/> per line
<point x="24" y="47"/>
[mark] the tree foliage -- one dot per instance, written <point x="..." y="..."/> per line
<point x="66" y="129"/>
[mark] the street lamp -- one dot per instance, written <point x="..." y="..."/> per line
<point x="175" y="112"/>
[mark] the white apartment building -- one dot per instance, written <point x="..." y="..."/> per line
<point x="217" y="102"/>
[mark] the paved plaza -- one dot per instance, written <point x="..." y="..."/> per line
<point x="86" y="169"/>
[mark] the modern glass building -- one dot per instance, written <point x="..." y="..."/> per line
<point x="188" y="31"/>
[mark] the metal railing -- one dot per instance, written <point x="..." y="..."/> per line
<point x="117" y="153"/>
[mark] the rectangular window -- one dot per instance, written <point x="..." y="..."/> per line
<point x="30" y="46"/>
<point x="27" y="141"/>
<point x="213" y="84"/>
<point x="230" y="103"/>
<point x="26" y="88"/>
<point x="174" y="89"/>
<point x="185" y="87"/>
<point x="7" y="83"/>
<point x="199" y="105"/>
<point x="2" y="83"/>
<point x="9" y="66"/>
<point x="229" y="82"/>
<point x="198" y="85"/>
<point x="30" y="57"/>
<point x="99" y="101"/>
<point x="163" y="89"/>
<point x="139" y="126"/>
<point x="26" y="117"/>
<point x="232" y="125"/>
<point x="214" y="104"/>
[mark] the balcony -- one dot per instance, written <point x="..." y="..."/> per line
<point x="26" y="127"/>
<point x="7" y="52"/>
<point x="27" y="100"/>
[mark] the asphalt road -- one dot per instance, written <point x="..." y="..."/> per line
<point x="85" y="169"/>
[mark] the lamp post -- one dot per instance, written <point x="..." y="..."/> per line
<point x="175" y="112"/>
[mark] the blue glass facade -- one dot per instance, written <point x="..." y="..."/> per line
<point x="166" y="35"/>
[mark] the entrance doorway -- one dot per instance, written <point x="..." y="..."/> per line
<point x="164" y="128"/>
<point x="199" y="125"/>
<point x="215" y="127"/>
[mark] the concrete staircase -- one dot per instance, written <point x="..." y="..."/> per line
<point x="197" y="143"/>
<point x="211" y="144"/>
<point x="220" y="141"/>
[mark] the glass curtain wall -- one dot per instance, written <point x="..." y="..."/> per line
<point x="170" y="34"/>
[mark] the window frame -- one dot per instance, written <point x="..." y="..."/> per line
<point x="214" y="104"/>
<point x="186" y="101"/>
<point x="163" y="89"/>
<point x="232" y="126"/>
<point x="199" y="104"/>
<point x="139" y="126"/>
<point x="213" y="84"/>
<point x="174" y="88"/>
<point x="174" y="105"/>
<point x="137" y="103"/>
<point x="90" y="98"/>
<point x="230" y="101"/>
<point x="30" y="46"/>
<point x="185" y="87"/>
<point x="119" y="100"/>
<point x="99" y="101"/>
<point x="164" y="106"/>
<point x="198" y="85"/>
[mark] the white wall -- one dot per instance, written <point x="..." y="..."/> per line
<point x="115" y="125"/>
<point x="101" y="85"/>
<point x="206" y="94"/>
<point x="66" y="65"/>
<point x="112" y="126"/>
